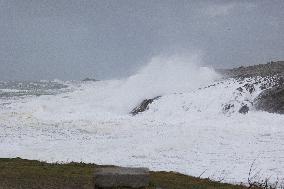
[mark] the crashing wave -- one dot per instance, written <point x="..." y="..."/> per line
<point x="247" y="91"/>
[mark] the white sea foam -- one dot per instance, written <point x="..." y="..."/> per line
<point x="186" y="130"/>
<point x="162" y="76"/>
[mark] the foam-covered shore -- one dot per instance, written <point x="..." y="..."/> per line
<point x="195" y="125"/>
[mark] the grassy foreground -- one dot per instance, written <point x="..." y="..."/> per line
<point x="29" y="174"/>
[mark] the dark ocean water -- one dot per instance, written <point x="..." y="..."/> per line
<point x="22" y="89"/>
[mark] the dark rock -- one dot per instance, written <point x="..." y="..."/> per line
<point x="281" y="81"/>
<point x="116" y="177"/>
<point x="244" y="109"/>
<point x="271" y="100"/>
<point x="240" y="89"/>
<point x="263" y="86"/>
<point x="89" y="79"/>
<point x="227" y="107"/>
<point x="269" y="69"/>
<point x="249" y="87"/>
<point x="143" y="106"/>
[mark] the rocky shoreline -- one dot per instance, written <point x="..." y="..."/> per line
<point x="268" y="78"/>
<point x="262" y="70"/>
<point x="271" y="99"/>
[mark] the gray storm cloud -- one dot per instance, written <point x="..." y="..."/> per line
<point x="71" y="39"/>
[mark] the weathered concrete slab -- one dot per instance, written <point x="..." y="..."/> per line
<point x="109" y="177"/>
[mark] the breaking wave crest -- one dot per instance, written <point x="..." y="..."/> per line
<point x="162" y="76"/>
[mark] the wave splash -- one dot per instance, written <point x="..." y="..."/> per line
<point x="161" y="76"/>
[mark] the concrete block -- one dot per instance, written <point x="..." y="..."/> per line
<point x="111" y="177"/>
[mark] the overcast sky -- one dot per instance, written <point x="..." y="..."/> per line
<point x="74" y="39"/>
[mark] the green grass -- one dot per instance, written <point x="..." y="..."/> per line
<point x="172" y="180"/>
<point x="29" y="174"/>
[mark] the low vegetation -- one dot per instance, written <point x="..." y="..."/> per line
<point x="29" y="174"/>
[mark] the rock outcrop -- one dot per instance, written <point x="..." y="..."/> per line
<point x="244" y="109"/>
<point x="263" y="70"/>
<point x="270" y="76"/>
<point x="271" y="100"/>
<point x="89" y="79"/>
<point x="143" y="106"/>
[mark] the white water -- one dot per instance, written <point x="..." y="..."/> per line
<point x="186" y="130"/>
